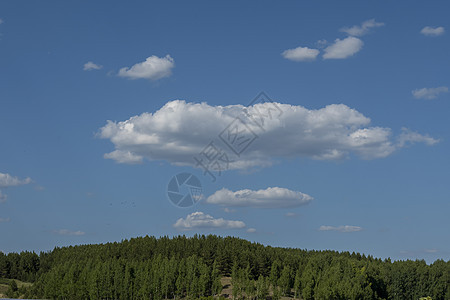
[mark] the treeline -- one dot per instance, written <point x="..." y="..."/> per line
<point x="181" y="267"/>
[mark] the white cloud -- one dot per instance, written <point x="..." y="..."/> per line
<point x="200" y="220"/>
<point x="3" y="197"/>
<point x="345" y="228"/>
<point x="408" y="137"/>
<point x="362" y="29"/>
<point x="251" y="230"/>
<point x="432" y="31"/>
<point x="1" y="21"/>
<point x="89" y="66"/>
<point x="321" y="43"/>
<point x="301" y="54"/>
<point x="68" y="232"/>
<point x="152" y="68"/>
<point x="4" y="220"/>
<point x="269" y="198"/>
<point x="343" y="48"/>
<point x="179" y="131"/>
<point x="429" y="93"/>
<point x="7" y="180"/>
<point x="124" y="157"/>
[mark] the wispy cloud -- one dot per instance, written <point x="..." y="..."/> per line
<point x="321" y="43"/>
<point x="1" y="21"/>
<point x="418" y="253"/>
<point x="68" y="232"/>
<point x="153" y="68"/>
<point x="200" y="220"/>
<point x="89" y="66"/>
<point x="364" y="28"/>
<point x="251" y="230"/>
<point x="4" y="220"/>
<point x="272" y="197"/>
<point x="408" y="137"/>
<point x="175" y="134"/>
<point x="431" y="251"/>
<point x="301" y="54"/>
<point x="429" y="93"/>
<point x="343" y="228"/>
<point x="3" y="197"/>
<point x="291" y="214"/>
<point x="432" y="31"/>
<point x="343" y="48"/>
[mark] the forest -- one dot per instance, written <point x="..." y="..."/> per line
<point x="198" y="267"/>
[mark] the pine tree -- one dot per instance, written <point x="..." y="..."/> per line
<point x="216" y="287"/>
<point x="275" y="272"/>
<point x="276" y="293"/>
<point x="285" y="281"/>
<point x="297" y="284"/>
<point x="262" y="290"/>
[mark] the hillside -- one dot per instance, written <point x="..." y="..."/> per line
<point x="181" y="267"/>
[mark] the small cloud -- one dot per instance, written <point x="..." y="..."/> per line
<point x="7" y="180"/>
<point x="200" y="220"/>
<point x="432" y="31"/>
<point x="68" y="232"/>
<point x="228" y="210"/>
<point x="124" y="157"/>
<point x="251" y="230"/>
<point x="418" y="253"/>
<point x="301" y="54"/>
<point x="345" y="228"/>
<point x="343" y="48"/>
<point x="408" y="137"/>
<point x="362" y="29"/>
<point x="153" y="68"/>
<point x="291" y="214"/>
<point x="89" y="66"/>
<point x="269" y="198"/>
<point x="4" y="220"/>
<point x="431" y="251"/>
<point x="429" y="93"/>
<point x="1" y="21"/>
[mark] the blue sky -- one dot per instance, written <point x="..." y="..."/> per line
<point x="357" y="160"/>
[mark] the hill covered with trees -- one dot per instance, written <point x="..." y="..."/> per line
<point x="182" y="267"/>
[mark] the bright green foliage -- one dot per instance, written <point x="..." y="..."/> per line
<point x="262" y="288"/>
<point x="297" y="284"/>
<point x="285" y="281"/>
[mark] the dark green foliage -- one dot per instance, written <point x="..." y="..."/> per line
<point x="12" y="289"/>
<point x="191" y="268"/>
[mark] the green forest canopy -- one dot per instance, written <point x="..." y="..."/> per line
<point x="182" y="267"/>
